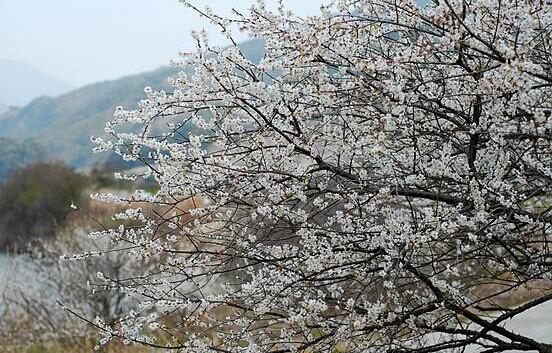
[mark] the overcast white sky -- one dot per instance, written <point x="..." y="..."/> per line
<point x="84" y="41"/>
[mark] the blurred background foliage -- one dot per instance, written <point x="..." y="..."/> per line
<point x="15" y="154"/>
<point x="35" y="199"/>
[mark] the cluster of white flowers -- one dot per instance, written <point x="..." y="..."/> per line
<point x="362" y="187"/>
<point x="39" y="288"/>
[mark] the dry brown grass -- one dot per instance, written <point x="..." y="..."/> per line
<point x="504" y="294"/>
<point x="83" y="346"/>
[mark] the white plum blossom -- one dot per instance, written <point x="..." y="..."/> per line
<point x="380" y="181"/>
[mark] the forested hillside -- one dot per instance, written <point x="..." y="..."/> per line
<point x="64" y="124"/>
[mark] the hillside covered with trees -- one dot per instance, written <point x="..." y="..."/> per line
<point x="64" y="124"/>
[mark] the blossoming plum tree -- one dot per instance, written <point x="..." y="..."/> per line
<point x="379" y="181"/>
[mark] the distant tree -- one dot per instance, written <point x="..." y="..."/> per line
<point x="380" y="182"/>
<point x="35" y="284"/>
<point x="36" y="199"/>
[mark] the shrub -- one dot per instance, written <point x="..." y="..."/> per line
<point x="34" y="200"/>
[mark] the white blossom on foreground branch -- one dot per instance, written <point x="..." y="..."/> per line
<point x="379" y="182"/>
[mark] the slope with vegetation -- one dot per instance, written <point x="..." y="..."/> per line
<point x="64" y="124"/>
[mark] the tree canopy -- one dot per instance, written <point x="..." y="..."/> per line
<point x="379" y="182"/>
<point x="34" y="200"/>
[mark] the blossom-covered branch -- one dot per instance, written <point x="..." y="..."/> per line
<point x="379" y="181"/>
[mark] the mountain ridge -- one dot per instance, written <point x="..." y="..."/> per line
<point x="63" y="124"/>
<point x="22" y="83"/>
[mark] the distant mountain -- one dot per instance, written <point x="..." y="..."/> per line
<point x="3" y="108"/>
<point x="20" y="83"/>
<point x="64" y="124"/>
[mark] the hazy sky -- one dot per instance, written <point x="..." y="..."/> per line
<point x="83" y="41"/>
